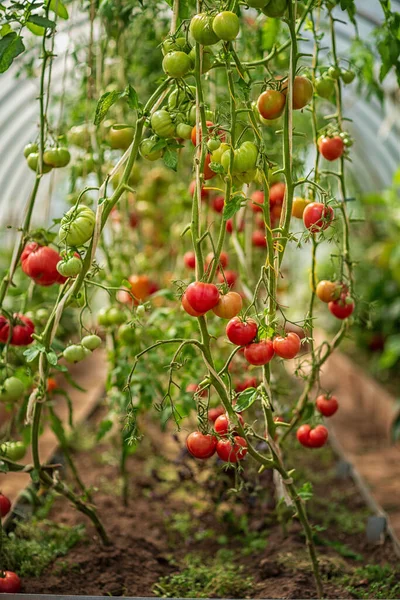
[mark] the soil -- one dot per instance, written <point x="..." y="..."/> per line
<point x="148" y="544"/>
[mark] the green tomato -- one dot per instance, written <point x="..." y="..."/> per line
<point x="79" y="135"/>
<point x="226" y="25"/>
<point x="91" y="342"/>
<point x="202" y="31"/>
<point x="217" y="154"/>
<point x="140" y="311"/>
<point x="245" y="158"/>
<point x="208" y="58"/>
<point x="77" y="225"/>
<point x="324" y="86"/>
<point x="213" y="144"/>
<point x="57" y="157"/>
<point x="162" y="124"/>
<point x="103" y="317"/>
<point x="74" y="353"/>
<point x="116" y="316"/>
<point x="179" y="97"/>
<point x="184" y="131"/>
<point x="334" y="72"/>
<point x="33" y="163"/>
<point x="275" y="8"/>
<point x="171" y="44"/>
<point x="31" y="149"/>
<point x="69" y="267"/>
<point x="176" y="64"/>
<point x="146" y="149"/>
<point x="14" y="451"/>
<point x="120" y="139"/>
<point x="347" y="76"/>
<point x="41" y="315"/>
<point x="13" y="388"/>
<point x="126" y="334"/>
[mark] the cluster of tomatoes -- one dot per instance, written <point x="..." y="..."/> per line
<point x="9" y="581"/>
<point x="317" y="437"/>
<point x="53" y="158"/>
<point x="229" y="446"/>
<point x="17" y="330"/>
<point x="337" y="296"/>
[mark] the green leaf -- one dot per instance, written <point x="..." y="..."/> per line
<point x="171" y="159"/>
<point x="104" y="427"/>
<point x="132" y="97"/>
<point x="59" y="8"/>
<point x="4" y="468"/>
<point x="41" y="22"/>
<point x="232" y="207"/>
<point x="105" y="103"/>
<point x="245" y="399"/>
<point x="306" y="491"/>
<point x="11" y="46"/>
<point x="5" y="29"/>
<point x="32" y="352"/>
<point x="217" y="168"/>
<point x="52" y="358"/>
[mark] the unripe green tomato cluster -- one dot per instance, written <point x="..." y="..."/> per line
<point x="109" y="317"/>
<point x="77" y="352"/>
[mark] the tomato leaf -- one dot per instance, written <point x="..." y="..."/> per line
<point x="11" y="46"/>
<point x="105" y="103"/>
<point x="232" y="207"/>
<point x="32" y="352"/>
<point x="171" y="159"/>
<point x="132" y="98"/>
<point x="58" y="7"/>
<point x="52" y="358"/>
<point x="216" y="167"/>
<point x="41" y="21"/>
<point x="245" y="399"/>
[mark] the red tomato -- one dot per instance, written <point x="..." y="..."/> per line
<point x="202" y="296"/>
<point x="241" y="332"/>
<point x="194" y="133"/>
<point x="218" y="204"/>
<point x="271" y="104"/>
<point x="246" y="384"/>
<point x="133" y="220"/>
<point x="5" y="505"/>
<point x="193" y="388"/>
<point x="22" y="330"/>
<point x="189" y="258"/>
<point x="204" y="193"/>
<point x="153" y="287"/>
<point x="232" y="452"/>
<point x="230" y="278"/>
<point x="312" y="438"/>
<point x="303" y="434"/>
<point x="258" y="239"/>
<point x="40" y="264"/>
<point x="9" y="582"/>
<point x="228" y="305"/>
<point x="51" y="385"/>
<point x="331" y="148"/>
<point x="189" y="309"/>
<point x="287" y="347"/>
<point x="259" y="353"/>
<point x="327" y="406"/>
<point x="277" y="193"/>
<point x="257" y="196"/>
<point x="201" y="445"/>
<point x="223" y="424"/>
<point x="342" y="308"/>
<point x="140" y="286"/>
<point x="223" y="259"/>
<point x="302" y="91"/>
<point x="214" y="413"/>
<point x="317" y="216"/>
<point x="208" y="172"/>
<point x="230" y="226"/>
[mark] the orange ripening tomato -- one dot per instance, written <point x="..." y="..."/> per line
<point x="228" y="305"/>
<point x="140" y="286"/>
